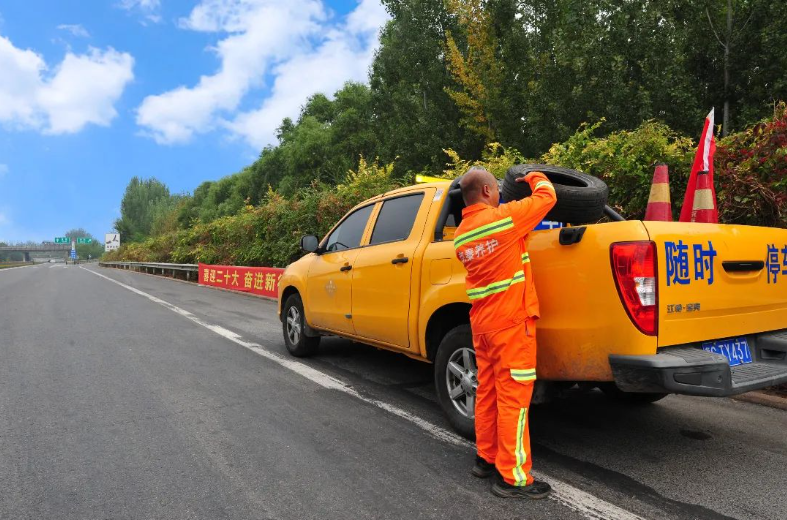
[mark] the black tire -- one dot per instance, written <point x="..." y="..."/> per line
<point x="635" y="398"/>
<point x="580" y="197"/>
<point x="457" y="339"/>
<point x="294" y="329"/>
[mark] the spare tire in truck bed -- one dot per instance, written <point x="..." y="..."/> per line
<point x="580" y="197"/>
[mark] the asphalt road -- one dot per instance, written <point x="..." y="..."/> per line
<point x="177" y="401"/>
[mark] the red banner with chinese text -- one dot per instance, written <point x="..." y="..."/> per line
<point x="257" y="280"/>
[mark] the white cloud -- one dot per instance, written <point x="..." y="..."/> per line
<point x="258" y="32"/>
<point x="304" y="48"/>
<point x="148" y="8"/>
<point x="75" y="29"/>
<point x="345" y="54"/>
<point x="81" y="90"/>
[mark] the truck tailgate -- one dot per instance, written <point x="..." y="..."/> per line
<point x="719" y="281"/>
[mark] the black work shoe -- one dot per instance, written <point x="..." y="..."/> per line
<point x="536" y="490"/>
<point x="482" y="468"/>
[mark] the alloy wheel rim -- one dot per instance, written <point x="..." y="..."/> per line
<point x="294" y="325"/>
<point x="461" y="377"/>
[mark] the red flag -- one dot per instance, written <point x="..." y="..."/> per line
<point x="703" y="161"/>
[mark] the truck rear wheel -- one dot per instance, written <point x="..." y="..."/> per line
<point x="455" y="376"/>
<point x="580" y="197"/>
<point x="294" y="328"/>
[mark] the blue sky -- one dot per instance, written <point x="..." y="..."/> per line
<point x="94" y="92"/>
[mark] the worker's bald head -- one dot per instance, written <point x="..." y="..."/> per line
<point x="478" y="185"/>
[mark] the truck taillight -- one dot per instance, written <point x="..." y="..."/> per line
<point x="634" y="267"/>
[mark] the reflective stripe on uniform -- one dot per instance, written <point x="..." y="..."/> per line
<point x="523" y="375"/>
<point x="496" y="287"/>
<point x="484" y="231"/>
<point x="525" y="258"/>
<point x="543" y="183"/>
<point x="520" y="477"/>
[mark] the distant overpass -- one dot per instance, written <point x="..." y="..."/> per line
<point x="39" y="248"/>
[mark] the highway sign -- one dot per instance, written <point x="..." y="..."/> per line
<point x="73" y="254"/>
<point x="84" y="240"/>
<point x="111" y="241"/>
<point x="61" y="240"/>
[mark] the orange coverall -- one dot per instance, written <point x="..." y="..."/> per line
<point x="490" y="242"/>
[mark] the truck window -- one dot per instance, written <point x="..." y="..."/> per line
<point x="396" y="219"/>
<point x="450" y="214"/>
<point x="349" y="233"/>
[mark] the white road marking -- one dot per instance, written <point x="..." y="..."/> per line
<point x="574" y="498"/>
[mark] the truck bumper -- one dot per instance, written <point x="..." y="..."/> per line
<point x="690" y="370"/>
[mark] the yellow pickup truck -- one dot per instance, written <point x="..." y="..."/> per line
<point x="639" y="309"/>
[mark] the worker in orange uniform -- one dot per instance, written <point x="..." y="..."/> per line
<point x="490" y="242"/>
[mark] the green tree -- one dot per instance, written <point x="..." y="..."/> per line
<point x="477" y="71"/>
<point x="165" y="214"/>
<point x="138" y="207"/>
<point x="321" y="146"/>
<point x="415" y="117"/>
<point x="743" y="57"/>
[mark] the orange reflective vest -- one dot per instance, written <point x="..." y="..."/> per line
<point x="490" y="242"/>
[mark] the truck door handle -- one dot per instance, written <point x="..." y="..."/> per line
<point x="400" y="260"/>
<point x="743" y="267"/>
<point x="569" y="236"/>
<point x="345" y="268"/>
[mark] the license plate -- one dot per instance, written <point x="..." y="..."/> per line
<point x="736" y="350"/>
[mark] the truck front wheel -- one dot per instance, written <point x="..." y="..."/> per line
<point x="456" y="381"/>
<point x="294" y="328"/>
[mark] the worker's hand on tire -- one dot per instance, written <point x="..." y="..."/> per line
<point x="524" y="177"/>
<point x="581" y="198"/>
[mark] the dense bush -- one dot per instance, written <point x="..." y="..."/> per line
<point x="751" y="180"/>
<point x="268" y="234"/>
<point x="750" y="167"/>
<point x="625" y="161"/>
<point x="751" y="173"/>
<point x="495" y="158"/>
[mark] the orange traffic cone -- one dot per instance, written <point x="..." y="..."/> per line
<point x="704" y="203"/>
<point x="659" y="206"/>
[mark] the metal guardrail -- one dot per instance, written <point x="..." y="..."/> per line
<point x="68" y="261"/>
<point x="189" y="270"/>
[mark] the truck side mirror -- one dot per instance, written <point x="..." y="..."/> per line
<point x="309" y="243"/>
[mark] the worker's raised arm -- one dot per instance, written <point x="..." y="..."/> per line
<point x="528" y="212"/>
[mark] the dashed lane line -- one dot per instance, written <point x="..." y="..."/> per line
<point x="574" y="498"/>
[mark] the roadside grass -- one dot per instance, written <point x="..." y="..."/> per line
<point x="14" y="264"/>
